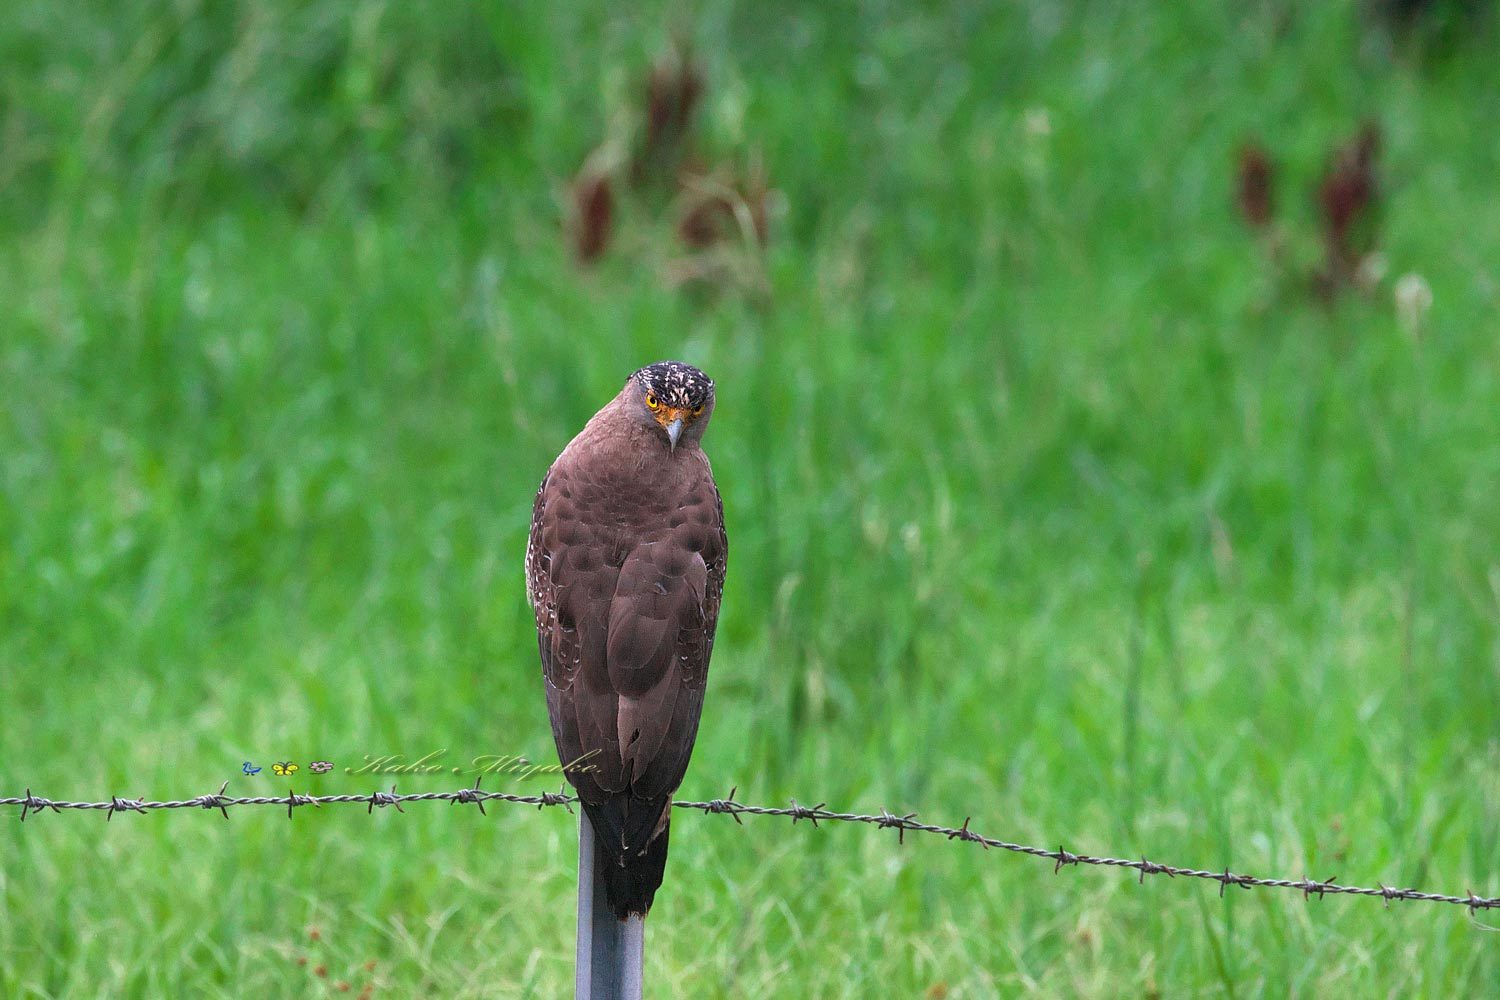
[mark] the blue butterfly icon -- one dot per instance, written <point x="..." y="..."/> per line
<point x="250" y="768"/>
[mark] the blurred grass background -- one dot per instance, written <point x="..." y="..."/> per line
<point x="1051" y="501"/>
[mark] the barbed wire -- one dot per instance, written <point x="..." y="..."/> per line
<point x="902" y="823"/>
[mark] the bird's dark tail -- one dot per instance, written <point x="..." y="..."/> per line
<point x="630" y="877"/>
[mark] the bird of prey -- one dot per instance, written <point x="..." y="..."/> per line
<point x="625" y="568"/>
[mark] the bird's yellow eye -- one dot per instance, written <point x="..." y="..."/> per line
<point x="652" y="401"/>
<point x="698" y="410"/>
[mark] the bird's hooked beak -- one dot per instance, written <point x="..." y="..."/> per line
<point x="673" y="419"/>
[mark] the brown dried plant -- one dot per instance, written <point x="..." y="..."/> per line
<point x="1256" y="188"/>
<point x="591" y="212"/>
<point x="673" y="90"/>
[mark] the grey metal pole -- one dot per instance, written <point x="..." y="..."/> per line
<point x="610" y="951"/>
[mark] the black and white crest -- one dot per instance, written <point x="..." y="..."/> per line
<point x="676" y="384"/>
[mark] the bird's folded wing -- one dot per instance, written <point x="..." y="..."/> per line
<point x="658" y="603"/>
<point x="625" y="647"/>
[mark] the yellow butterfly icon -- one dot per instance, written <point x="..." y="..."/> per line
<point x="284" y="768"/>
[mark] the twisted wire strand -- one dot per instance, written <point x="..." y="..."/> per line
<point x="902" y="823"/>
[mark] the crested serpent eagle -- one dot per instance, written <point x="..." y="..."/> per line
<point x="625" y="568"/>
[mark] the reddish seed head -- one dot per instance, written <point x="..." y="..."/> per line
<point x="1255" y="185"/>
<point x="673" y="90"/>
<point x="661" y="105"/>
<point x="1346" y="197"/>
<point x="593" y="215"/>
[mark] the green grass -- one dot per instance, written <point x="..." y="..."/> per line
<point x="1048" y="502"/>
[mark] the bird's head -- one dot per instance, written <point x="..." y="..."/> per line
<point x="674" y="399"/>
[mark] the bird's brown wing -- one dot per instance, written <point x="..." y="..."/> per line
<point x="662" y="682"/>
<point x="661" y="630"/>
<point x="569" y="581"/>
<point x="625" y="633"/>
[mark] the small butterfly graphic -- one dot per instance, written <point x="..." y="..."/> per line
<point x="250" y="768"/>
<point x="283" y="768"/>
<point x="320" y="767"/>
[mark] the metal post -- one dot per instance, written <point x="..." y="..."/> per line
<point x="610" y="950"/>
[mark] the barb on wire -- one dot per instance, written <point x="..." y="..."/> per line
<point x="902" y="823"/>
<point x="1062" y="857"/>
